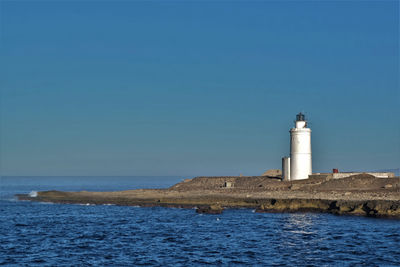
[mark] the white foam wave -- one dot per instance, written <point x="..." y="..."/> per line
<point x="33" y="194"/>
<point x="301" y="232"/>
<point x="46" y="203"/>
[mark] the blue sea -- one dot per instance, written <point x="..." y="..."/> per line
<point x="42" y="234"/>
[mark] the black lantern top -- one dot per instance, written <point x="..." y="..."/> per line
<point x="300" y="117"/>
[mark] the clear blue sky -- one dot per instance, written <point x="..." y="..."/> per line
<point x="175" y="88"/>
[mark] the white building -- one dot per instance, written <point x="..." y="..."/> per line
<point x="299" y="165"/>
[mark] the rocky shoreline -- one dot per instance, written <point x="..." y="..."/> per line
<point x="358" y="195"/>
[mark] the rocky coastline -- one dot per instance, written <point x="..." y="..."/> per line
<point x="362" y="195"/>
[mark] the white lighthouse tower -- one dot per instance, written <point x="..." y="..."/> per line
<point x="300" y="149"/>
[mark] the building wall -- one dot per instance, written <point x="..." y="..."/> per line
<point x="341" y="175"/>
<point x="376" y="174"/>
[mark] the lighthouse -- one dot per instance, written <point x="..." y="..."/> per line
<point x="300" y="149"/>
<point x="299" y="165"/>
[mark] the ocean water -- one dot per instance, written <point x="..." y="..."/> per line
<point x="41" y="234"/>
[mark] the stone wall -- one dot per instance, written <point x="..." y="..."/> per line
<point x="341" y="175"/>
<point x="376" y="174"/>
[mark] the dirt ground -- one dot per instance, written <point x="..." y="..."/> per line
<point x="357" y="187"/>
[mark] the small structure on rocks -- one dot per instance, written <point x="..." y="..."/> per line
<point x="273" y="173"/>
<point x="228" y="184"/>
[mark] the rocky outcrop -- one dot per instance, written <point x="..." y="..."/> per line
<point x="371" y="208"/>
<point x="273" y="173"/>
<point x="212" y="209"/>
<point x="357" y="195"/>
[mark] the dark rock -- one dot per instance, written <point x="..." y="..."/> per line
<point x="372" y="208"/>
<point x="213" y="209"/>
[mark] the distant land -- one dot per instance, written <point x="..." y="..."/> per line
<point x="361" y="194"/>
